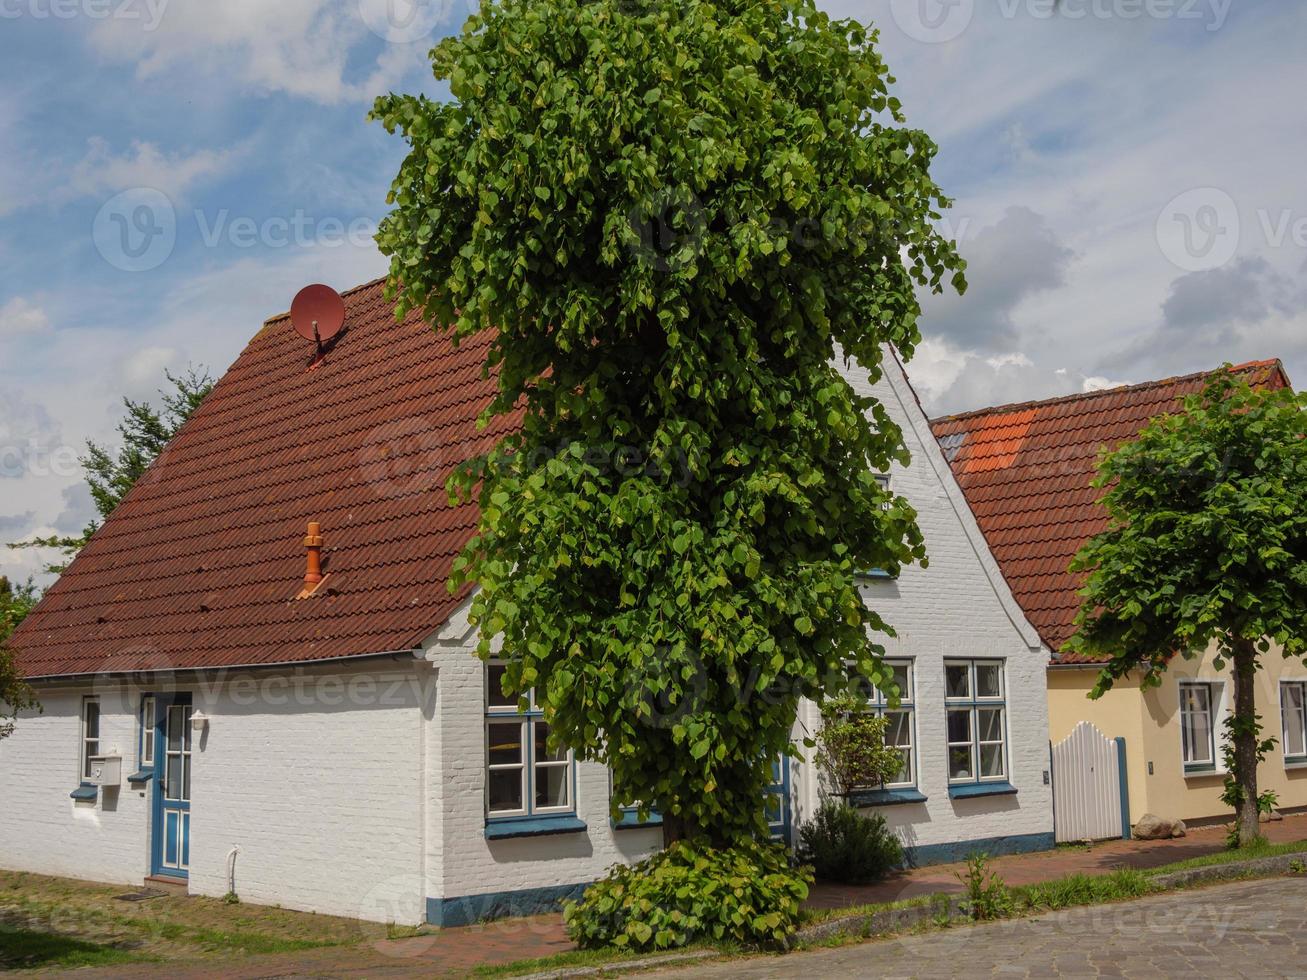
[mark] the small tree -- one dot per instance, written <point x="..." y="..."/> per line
<point x="145" y="431"/>
<point x="851" y="746"/>
<point x="668" y="218"/>
<point x="15" y="694"/>
<point x="1207" y="544"/>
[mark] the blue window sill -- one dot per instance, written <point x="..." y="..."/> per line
<point x="1200" y="771"/>
<point x="141" y="776"/>
<point x="85" y="792"/>
<point x="967" y="790"/>
<point x="534" y="827"/>
<point x="631" y="820"/>
<point x="876" y="573"/>
<point x="886" y="797"/>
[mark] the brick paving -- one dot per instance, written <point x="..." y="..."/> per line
<point x="451" y="952"/>
<point x="1028" y="869"/>
<point x="1250" y="929"/>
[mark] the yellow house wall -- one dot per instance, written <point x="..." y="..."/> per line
<point x="1150" y="722"/>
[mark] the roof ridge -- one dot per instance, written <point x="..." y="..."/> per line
<point x="343" y="293"/>
<point x="1115" y="389"/>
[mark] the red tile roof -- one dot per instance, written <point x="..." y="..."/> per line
<point x="1026" y="471"/>
<point x="200" y="565"/>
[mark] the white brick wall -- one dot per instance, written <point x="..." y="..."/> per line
<point x="471" y="865"/>
<point x="958" y="607"/>
<point x="44" y="831"/>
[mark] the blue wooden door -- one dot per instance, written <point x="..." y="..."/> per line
<point x="778" y="800"/>
<point x="171" y="846"/>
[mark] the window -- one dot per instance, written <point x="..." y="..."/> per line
<point x="976" y="720"/>
<point x="1293" y="706"/>
<point x="1198" y="743"/>
<point x="902" y="721"/>
<point x="523" y="778"/>
<point x="883" y="480"/>
<point x="90" y="732"/>
<point x="147" y="731"/>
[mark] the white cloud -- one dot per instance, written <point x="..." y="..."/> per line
<point x="301" y="47"/>
<point x="145" y="165"/>
<point x="20" y="316"/>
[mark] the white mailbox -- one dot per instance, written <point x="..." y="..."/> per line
<point x="106" y="770"/>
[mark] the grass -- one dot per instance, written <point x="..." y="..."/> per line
<point x="1261" y="849"/>
<point x="26" y="949"/>
<point x="58" y="922"/>
<point x="617" y="958"/>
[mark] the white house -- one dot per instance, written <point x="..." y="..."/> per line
<point x="222" y="713"/>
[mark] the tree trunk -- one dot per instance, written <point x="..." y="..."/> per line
<point x="1245" y="741"/>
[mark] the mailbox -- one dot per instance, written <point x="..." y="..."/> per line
<point x="106" y="770"/>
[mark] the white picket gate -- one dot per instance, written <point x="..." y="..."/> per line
<point x="1090" y="798"/>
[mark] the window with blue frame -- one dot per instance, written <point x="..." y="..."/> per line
<point x="976" y="706"/>
<point x="523" y="778"/>
<point x="884" y="481"/>
<point x="902" y="720"/>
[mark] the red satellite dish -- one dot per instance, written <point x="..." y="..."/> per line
<point x="317" y="313"/>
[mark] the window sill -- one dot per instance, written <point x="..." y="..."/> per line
<point x="877" y="573"/>
<point x="1199" y="771"/>
<point x="141" y="776"/>
<point x="964" y="791"/>
<point x="885" y="797"/>
<point x="85" y="792"/>
<point x="1296" y="763"/>
<point x="534" y="827"/>
<point x="630" y="820"/>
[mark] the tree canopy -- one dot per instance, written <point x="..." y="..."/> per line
<point x="16" y="601"/>
<point x="145" y="431"/>
<point x="674" y="217"/>
<point x="1207" y="544"/>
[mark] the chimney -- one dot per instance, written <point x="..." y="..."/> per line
<point x="313" y="542"/>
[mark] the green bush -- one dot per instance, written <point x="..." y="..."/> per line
<point x="987" y="896"/>
<point x="748" y="894"/>
<point x="842" y="845"/>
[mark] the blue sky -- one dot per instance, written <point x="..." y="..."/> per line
<point x="1127" y="176"/>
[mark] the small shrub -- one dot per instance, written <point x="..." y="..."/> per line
<point x="987" y="897"/>
<point x="843" y="845"/>
<point x="231" y="898"/>
<point x="747" y="894"/>
<point x="1297" y="867"/>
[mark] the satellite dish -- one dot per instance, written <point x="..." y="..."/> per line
<point x="317" y="313"/>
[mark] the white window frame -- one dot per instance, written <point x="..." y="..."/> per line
<point x="1197" y="766"/>
<point x="1300" y="721"/>
<point x="149" y="720"/>
<point x="973" y="704"/>
<point x="530" y="723"/>
<point x="90" y="745"/>
<point x="881" y="707"/>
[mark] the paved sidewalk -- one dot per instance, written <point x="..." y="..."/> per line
<point x="1249" y="929"/>
<point x="1028" y="869"/>
<point x="454" y="952"/>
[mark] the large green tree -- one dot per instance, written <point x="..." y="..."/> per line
<point x="145" y="430"/>
<point x="674" y="216"/>
<point x="1207" y="545"/>
<point x="16" y="601"/>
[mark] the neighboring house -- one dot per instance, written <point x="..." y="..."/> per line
<point x="217" y="719"/>
<point x="1026" y="471"/>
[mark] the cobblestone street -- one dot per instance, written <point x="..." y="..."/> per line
<point x="1249" y="929"/>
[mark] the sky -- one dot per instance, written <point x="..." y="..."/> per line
<point x="1126" y="176"/>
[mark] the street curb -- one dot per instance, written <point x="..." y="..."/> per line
<point x="621" y="965"/>
<point x="888" y="921"/>
<point x="1254" y="868"/>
